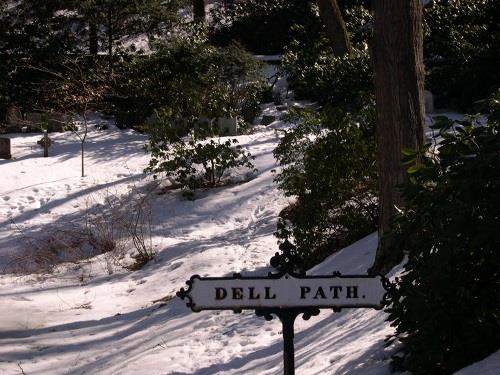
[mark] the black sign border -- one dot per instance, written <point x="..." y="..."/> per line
<point x="386" y="284"/>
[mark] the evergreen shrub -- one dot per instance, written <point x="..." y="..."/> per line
<point x="192" y="161"/>
<point x="462" y="51"/>
<point x="190" y="80"/>
<point x="315" y="73"/>
<point x="252" y="22"/>
<point x="328" y="163"/>
<point x="446" y="306"/>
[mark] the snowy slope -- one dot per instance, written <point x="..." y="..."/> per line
<point x="84" y="319"/>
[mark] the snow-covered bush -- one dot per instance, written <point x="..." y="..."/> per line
<point x="446" y="307"/>
<point x="328" y="164"/>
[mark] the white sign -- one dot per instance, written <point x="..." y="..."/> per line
<point x="286" y="291"/>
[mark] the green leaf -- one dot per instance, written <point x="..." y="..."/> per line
<point x="409" y="152"/>
<point x="415" y="168"/>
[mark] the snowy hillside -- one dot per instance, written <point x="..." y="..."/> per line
<point x="94" y="317"/>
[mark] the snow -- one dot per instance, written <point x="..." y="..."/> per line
<point x="95" y="317"/>
<point x="268" y="58"/>
<point x="488" y="366"/>
<point x="139" y="43"/>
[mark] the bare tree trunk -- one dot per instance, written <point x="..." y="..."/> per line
<point x="399" y="84"/>
<point x="335" y="27"/>
<point x="199" y="10"/>
<point x="45" y="144"/>
<point x="83" y="137"/>
<point x="83" y="159"/>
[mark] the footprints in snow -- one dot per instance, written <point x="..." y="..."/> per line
<point x="36" y="198"/>
<point x="175" y="265"/>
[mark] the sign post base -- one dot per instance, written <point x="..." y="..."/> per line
<point x="287" y="320"/>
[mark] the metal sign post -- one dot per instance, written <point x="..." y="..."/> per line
<point x="286" y="293"/>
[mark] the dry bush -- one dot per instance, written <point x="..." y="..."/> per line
<point x="105" y="229"/>
<point x="109" y="224"/>
<point x="54" y="245"/>
<point x="138" y="227"/>
<point x="119" y="220"/>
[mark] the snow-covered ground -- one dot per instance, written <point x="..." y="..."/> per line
<point x="95" y="318"/>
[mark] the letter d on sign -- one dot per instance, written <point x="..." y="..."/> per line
<point x="220" y="293"/>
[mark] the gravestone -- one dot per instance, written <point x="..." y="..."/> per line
<point x="228" y="126"/>
<point x="57" y="121"/>
<point x="14" y="116"/>
<point x="13" y="120"/>
<point x="45" y="143"/>
<point x="268" y="120"/>
<point x="429" y="102"/>
<point x="205" y="121"/>
<point x="33" y="119"/>
<point x="5" y="148"/>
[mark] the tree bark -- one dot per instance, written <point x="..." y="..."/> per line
<point x="83" y="158"/>
<point x="335" y="26"/>
<point x="199" y="10"/>
<point x="228" y="3"/>
<point x="110" y="39"/>
<point x="399" y="84"/>
<point x="93" y="41"/>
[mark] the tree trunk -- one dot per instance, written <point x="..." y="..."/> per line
<point x="335" y="27"/>
<point x="93" y="42"/>
<point x="83" y="158"/>
<point x="228" y="3"/>
<point x="199" y="10"/>
<point x="399" y="85"/>
<point x="110" y="40"/>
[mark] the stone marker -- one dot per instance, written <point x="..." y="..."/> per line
<point x="14" y="116"/>
<point x="33" y="119"/>
<point x="57" y="121"/>
<point x="268" y="120"/>
<point x="429" y="102"/>
<point x="5" y="148"/>
<point x="45" y="143"/>
<point x="228" y="126"/>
